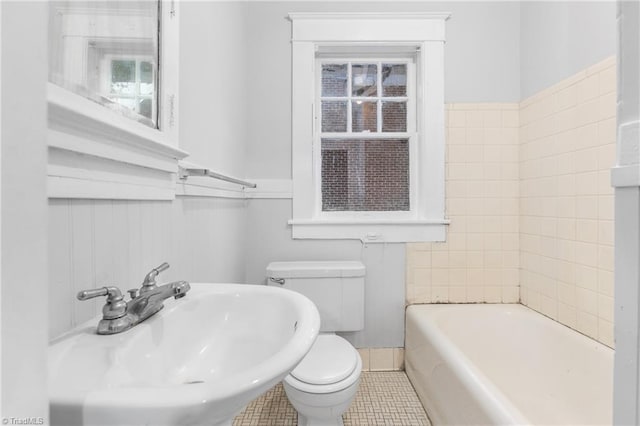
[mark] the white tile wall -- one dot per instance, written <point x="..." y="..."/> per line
<point x="567" y="147"/>
<point x="480" y="259"/>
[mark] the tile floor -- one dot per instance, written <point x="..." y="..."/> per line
<point x="384" y="398"/>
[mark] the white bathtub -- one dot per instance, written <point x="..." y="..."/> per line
<point x="505" y="364"/>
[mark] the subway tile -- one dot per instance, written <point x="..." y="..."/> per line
<point x="607" y="80"/>
<point x="493" y="294"/>
<point x="381" y="359"/>
<point x="422" y="277"/>
<point x="605" y="282"/>
<point x="457" y="295"/>
<point x="605" y="257"/>
<point x="475" y="294"/>
<point x="605" y="307"/>
<point x="364" y="355"/>
<point x="606" y="332"/>
<point x="588" y="88"/>
<point x="587" y="230"/>
<point x="587" y="323"/>
<point x="568" y="315"/>
<point x="510" y="294"/>
<point x="607" y="106"/>
<point x="398" y="358"/>
<point x="474" y="119"/>
<point x="607" y="131"/>
<point x="457" y="118"/>
<point x="492" y="118"/>
<point x="440" y="294"/>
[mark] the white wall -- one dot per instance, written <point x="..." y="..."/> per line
<point x="213" y="89"/>
<point x="481" y="65"/>
<point x="24" y="221"/>
<point x="559" y="39"/>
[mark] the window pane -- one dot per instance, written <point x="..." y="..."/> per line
<point x="394" y="80"/>
<point x="123" y="77"/>
<point x="364" y="80"/>
<point x="365" y="175"/>
<point x="334" y="116"/>
<point x="334" y="80"/>
<point x="394" y="116"/>
<point x="364" y="116"/>
<point x="145" y="107"/>
<point x="146" y="78"/>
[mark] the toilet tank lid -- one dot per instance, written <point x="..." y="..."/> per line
<point x="315" y="269"/>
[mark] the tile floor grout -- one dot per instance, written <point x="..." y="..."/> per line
<point x="389" y="393"/>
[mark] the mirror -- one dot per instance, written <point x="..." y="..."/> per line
<point x="107" y="51"/>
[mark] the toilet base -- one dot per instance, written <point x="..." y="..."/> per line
<point x="321" y="409"/>
<point x="306" y="421"/>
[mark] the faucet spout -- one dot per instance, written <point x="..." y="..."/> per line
<point x="151" y="301"/>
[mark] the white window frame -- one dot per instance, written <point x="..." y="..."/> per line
<point x="422" y="32"/>
<point x="98" y="153"/>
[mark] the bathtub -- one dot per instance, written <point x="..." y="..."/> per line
<point x="505" y="364"/>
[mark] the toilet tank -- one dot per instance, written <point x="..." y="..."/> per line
<point x="337" y="289"/>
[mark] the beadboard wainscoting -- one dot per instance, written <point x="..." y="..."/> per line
<point x="93" y="243"/>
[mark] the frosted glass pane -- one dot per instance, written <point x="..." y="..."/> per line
<point x="364" y="80"/>
<point x="365" y="175"/>
<point x="394" y="116"/>
<point x="364" y="116"/>
<point x="334" y="116"/>
<point x="334" y="80"/>
<point x="394" y="80"/>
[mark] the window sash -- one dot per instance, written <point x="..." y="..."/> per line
<point x="410" y="134"/>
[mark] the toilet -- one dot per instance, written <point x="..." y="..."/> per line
<point x="322" y="387"/>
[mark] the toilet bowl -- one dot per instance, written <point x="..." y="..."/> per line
<point x="322" y="387"/>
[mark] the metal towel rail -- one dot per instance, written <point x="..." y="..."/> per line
<point x="185" y="172"/>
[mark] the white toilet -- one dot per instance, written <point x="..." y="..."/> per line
<point x="323" y="385"/>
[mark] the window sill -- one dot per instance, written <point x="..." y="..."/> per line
<point x="371" y="231"/>
<point x="97" y="153"/>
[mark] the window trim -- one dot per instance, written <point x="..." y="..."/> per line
<point x="371" y="31"/>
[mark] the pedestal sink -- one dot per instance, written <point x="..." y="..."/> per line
<point x="199" y="361"/>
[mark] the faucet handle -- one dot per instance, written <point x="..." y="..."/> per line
<point x="149" y="282"/>
<point x="110" y="292"/>
<point x="115" y="306"/>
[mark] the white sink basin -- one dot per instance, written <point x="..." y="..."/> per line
<point x="198" y="361"/>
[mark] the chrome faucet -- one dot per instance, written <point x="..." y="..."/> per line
<point x="119" y="316"/>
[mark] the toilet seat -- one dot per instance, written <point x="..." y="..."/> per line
<point x="331" y="365"/>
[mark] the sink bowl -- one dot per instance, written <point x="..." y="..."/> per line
<point x="200" y="360"/>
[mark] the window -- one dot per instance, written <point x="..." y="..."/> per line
<point x="368" y="126"/>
